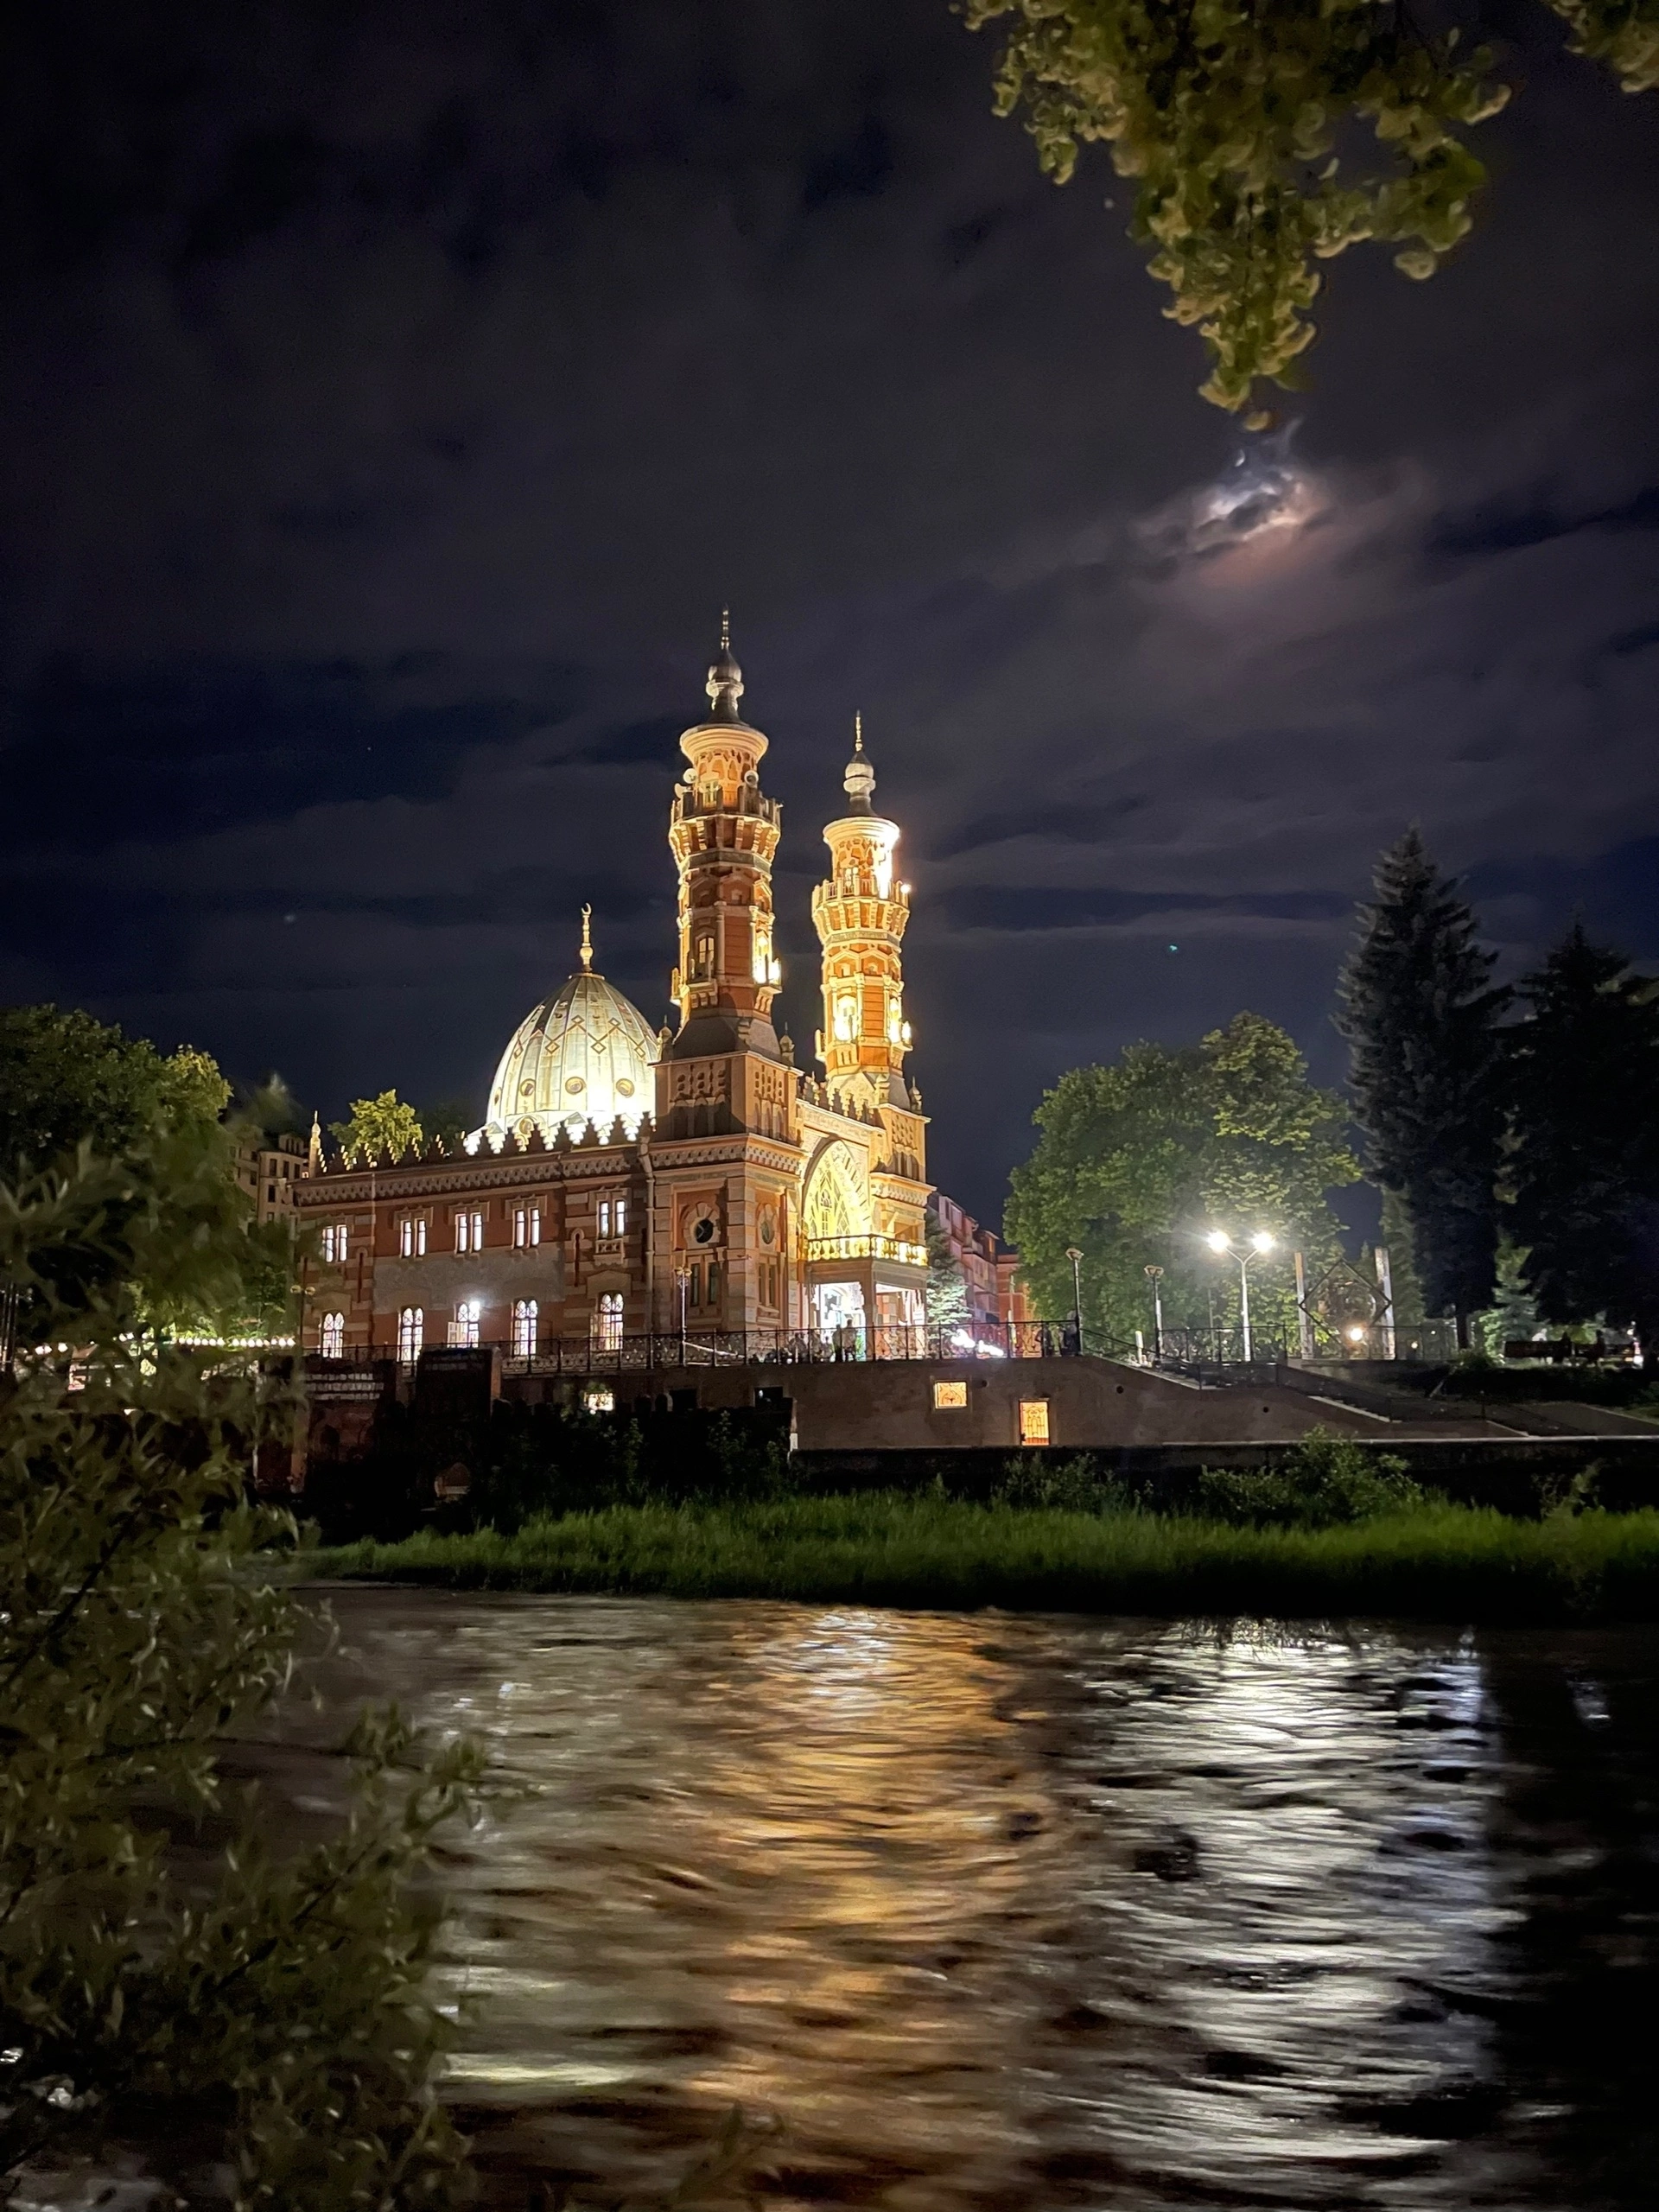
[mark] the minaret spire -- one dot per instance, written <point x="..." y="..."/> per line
<point x="860" y="780"/>
<point x="586" y="940"/>
<point x="725" y="685"/>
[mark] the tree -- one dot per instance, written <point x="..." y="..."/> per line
<point x="1135" y="1160"/>
<point x="382" y="1127"/>
<point x="269" y="2016"/>
<point x="1583" y="1147"/>
<point x="1244" y="125"/>
<point x="448" y="1121"/>
<point x="947" y="1287"/>
<point x="1421" y="1013"/>
<point x="64" y="1077"/>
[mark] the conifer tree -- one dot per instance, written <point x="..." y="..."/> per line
<point x="1585" y="1149"/>
<point x="1421" y="1015"/>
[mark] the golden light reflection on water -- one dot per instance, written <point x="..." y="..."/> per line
<point x="987" y="1910"/>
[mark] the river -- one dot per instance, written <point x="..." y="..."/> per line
<point x="1001" y="1910"/>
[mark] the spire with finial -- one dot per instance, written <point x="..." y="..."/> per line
<point x="860" y="780"/>
<point x="586" y="939"/>
<point x="725" y="685"/>
<point x="314" y="1150"/>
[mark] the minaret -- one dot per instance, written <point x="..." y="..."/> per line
<point x="723" y="833"/>
<point x="860" y="914"/>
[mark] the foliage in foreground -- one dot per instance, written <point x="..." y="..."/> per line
<point x="265" y="2022"/>
<point x="1245" y="126"/>
<point x="1438" y="1562"/>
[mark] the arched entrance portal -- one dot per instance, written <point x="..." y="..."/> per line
<point x="835" y="1216"/>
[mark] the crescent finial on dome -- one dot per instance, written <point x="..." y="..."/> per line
<point x="588" y="939"/>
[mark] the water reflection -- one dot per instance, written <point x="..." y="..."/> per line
<point x="1008" y="1910"/>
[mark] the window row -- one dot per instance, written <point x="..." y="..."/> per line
<point x="612" y="1221"/>
<point x="463" y="1333"/>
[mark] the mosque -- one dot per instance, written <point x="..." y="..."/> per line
<point x="624" y="1184"/>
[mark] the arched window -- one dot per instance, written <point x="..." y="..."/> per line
<point x="411" y="1332"/>
<point x="463" y="1330"/>
<point x="331" y="1340"/>
<point x="523" y="1327"/>
<point x="608" y="1321"/>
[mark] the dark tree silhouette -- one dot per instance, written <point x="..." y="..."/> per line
<point x="1421" y="1015"/>
<point x="1584" y="1162"/>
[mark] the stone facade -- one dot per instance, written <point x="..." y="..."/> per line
<point x="751" y="1198"/>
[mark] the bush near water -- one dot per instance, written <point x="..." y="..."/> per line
<point x="1323" y="1538"/>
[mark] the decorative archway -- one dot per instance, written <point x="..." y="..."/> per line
<point x="835" y="1205"/>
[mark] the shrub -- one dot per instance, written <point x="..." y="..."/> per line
<point x="1074" y="1485"/>
<point x="1325" y="1481"/>
<point x="270" y="2020"/>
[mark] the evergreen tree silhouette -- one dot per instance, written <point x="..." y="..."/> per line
<point x="1421" y="1015"/>
<point x="1584" y="1163"/>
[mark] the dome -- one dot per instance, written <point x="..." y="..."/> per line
<point x="585" y="1056"/>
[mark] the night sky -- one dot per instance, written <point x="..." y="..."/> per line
<point x="393" y="395"/>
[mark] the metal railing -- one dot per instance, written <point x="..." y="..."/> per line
<point x="741" y="1347"/>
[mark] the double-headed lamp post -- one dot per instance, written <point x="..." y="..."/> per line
<point x="1219" y="1241"/>
<point x="1076" y="1258"/>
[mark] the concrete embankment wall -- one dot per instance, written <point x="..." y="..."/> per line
<point x="892" y="1405"/>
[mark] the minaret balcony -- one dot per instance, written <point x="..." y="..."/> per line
<point x="867" y="1248"/>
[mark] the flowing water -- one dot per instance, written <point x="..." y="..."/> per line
<point x="1041" y="1911"/>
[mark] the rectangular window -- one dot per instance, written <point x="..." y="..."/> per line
<point x="334" y="1244"/>
<point x="526" y="1227"/>
<point x="697" y="1283"/>
<point x="949" y="1397"/>
<point x="620" y="1217"/>
<point x="604" y="1216"/>
<point x="1034" y="1420"/>
<point x="469" y="1232"/>
<point x="598" y="1400"/>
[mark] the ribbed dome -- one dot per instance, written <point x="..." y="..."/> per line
<point x="585" y="1056"/>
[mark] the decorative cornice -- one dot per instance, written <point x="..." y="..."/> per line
<point x="526" y="1170"/>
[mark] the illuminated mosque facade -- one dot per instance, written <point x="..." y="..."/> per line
<point x="627" y="1184"/>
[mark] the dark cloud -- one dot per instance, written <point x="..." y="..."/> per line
<point x="395" y="394"/>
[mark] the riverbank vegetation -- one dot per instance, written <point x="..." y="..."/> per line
<point x="251" y="2020"/>
<point x="1427" y="1561"/>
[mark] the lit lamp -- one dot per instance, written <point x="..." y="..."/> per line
<point x="1220" y="1242"/>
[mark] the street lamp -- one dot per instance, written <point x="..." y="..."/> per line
<point x="1076" y="1258"/>
<point x="1219" y="1241"/>
<point x="1155" y="1277"/>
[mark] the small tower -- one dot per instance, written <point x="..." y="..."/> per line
<point x="860" y="914"/>
<point x="723" y="833"/>
<point x="726" y="1146"/>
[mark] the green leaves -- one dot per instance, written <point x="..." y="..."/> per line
<point x="1265" y="136"/>
<point x="1136" y="1158"/>
<point x="383" y="1127"/>
<point x="272" y="2012"/>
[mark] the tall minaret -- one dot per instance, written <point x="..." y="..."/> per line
<point x="723" y="833"/>
<point x="860" y="914"/>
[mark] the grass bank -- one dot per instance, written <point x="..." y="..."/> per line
<point x="1434" y="1562"/>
